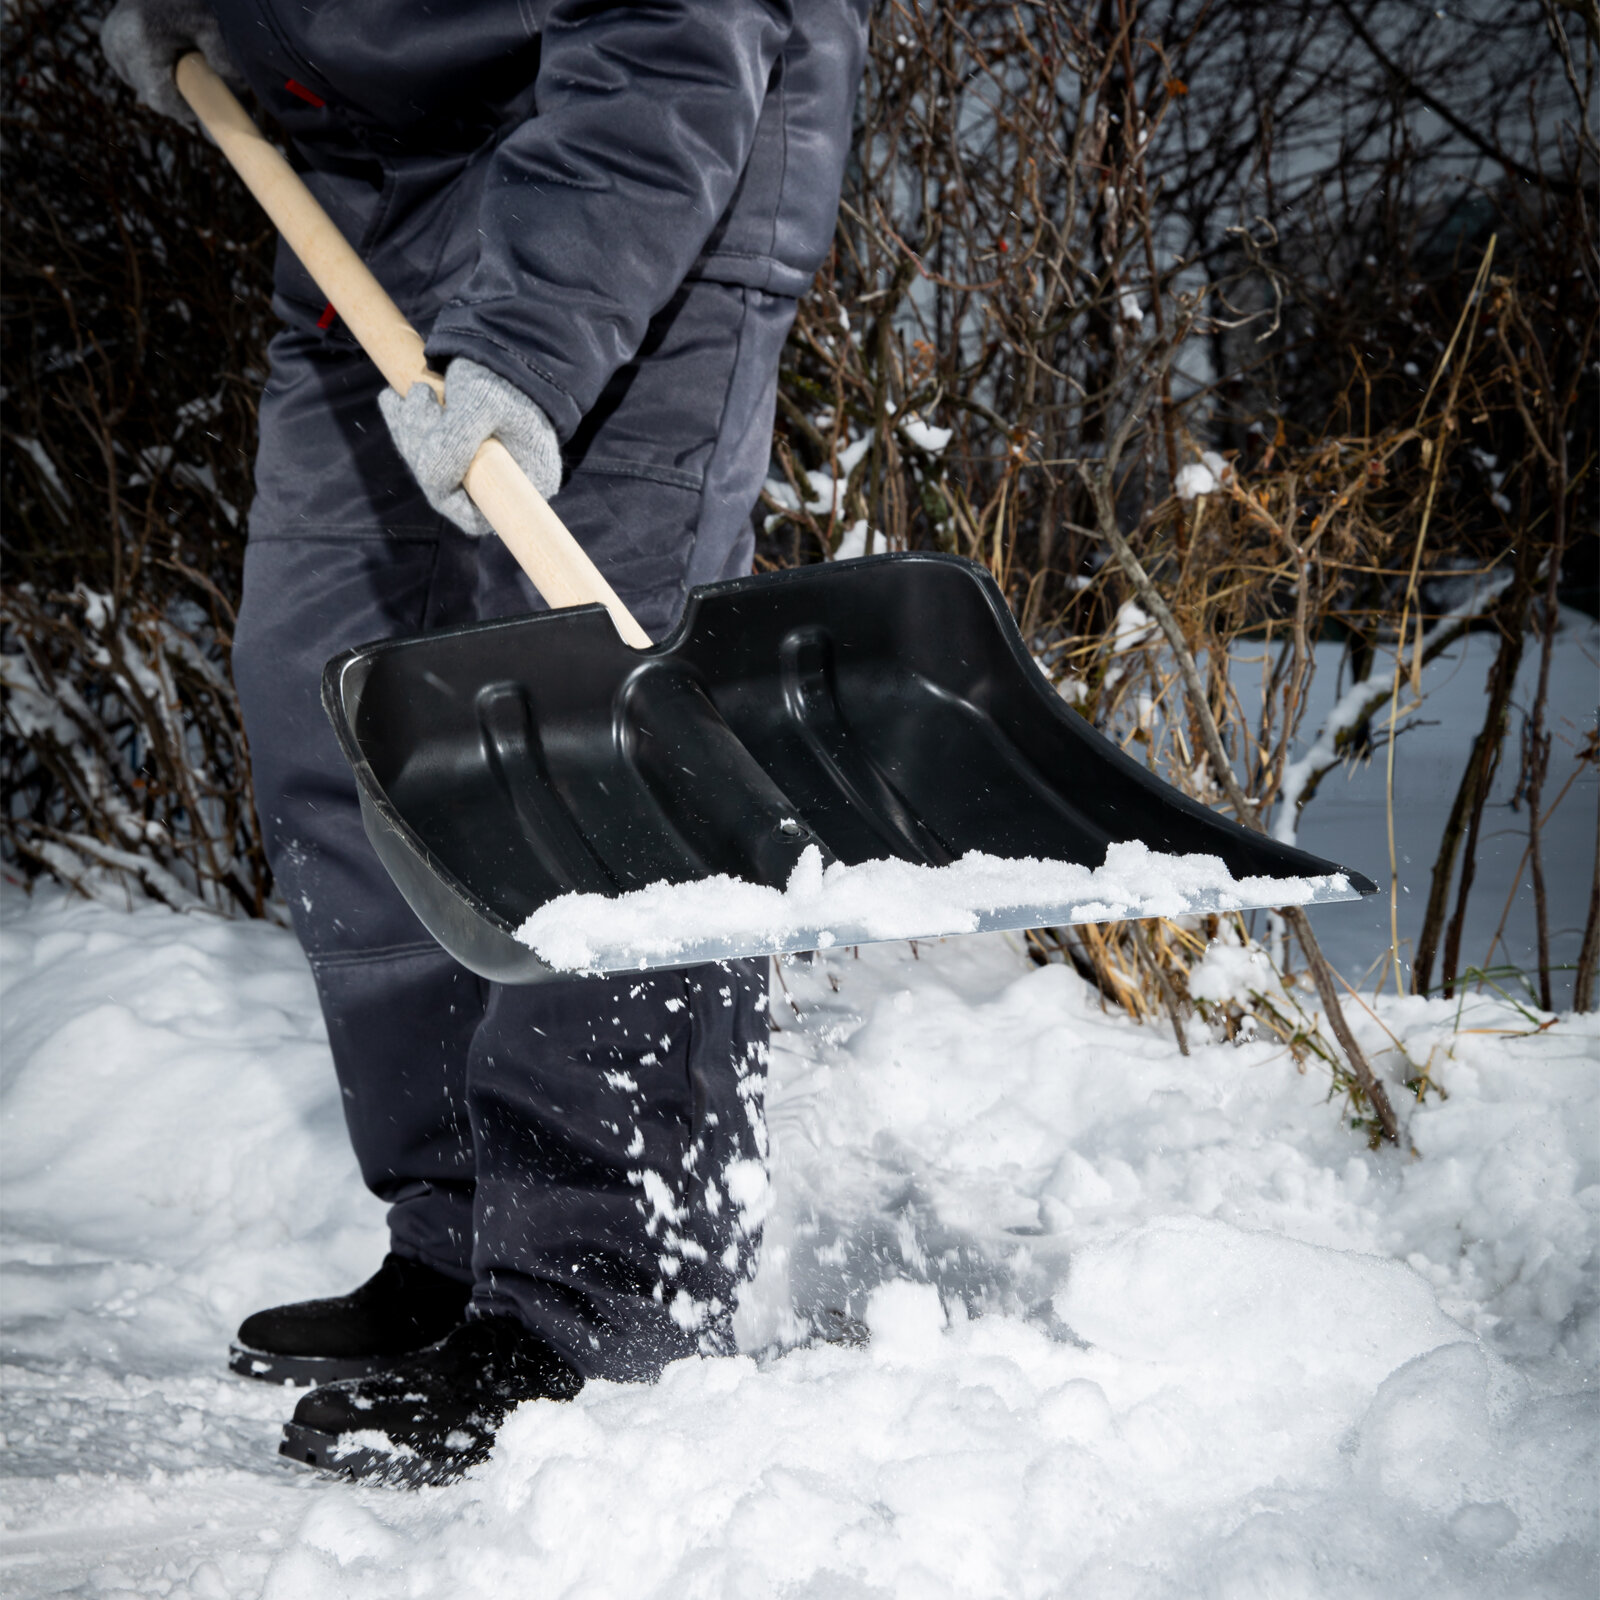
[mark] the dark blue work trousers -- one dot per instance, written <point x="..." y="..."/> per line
<point x="590" y="1154"/>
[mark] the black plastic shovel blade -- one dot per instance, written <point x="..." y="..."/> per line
<point x="885" y="707"/>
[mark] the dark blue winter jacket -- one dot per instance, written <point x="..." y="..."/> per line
<point x="533" y="179"/>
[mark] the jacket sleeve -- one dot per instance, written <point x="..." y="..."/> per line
<point x="595" y="208"/>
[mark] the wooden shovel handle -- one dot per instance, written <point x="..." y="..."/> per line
<point x="554" y="561"/>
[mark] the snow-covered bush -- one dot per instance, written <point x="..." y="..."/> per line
<point x="136" y="316"/>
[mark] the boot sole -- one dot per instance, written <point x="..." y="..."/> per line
<point x="338" y="1456"/>
<point x="265" y="1366"/>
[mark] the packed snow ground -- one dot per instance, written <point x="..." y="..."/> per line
<point x="1140" y="1325"/>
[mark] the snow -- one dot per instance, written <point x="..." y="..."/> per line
<point x="174" y="1150"/>
<point x="923" y="434"/>
<point x="721" y="916"/>
<point x="1106" y="1321"/>
<point x="822" y="486"/>
<point x="1345" y="821"/>
<point x="1367" y="697"/>
<point x="37" y="710"/>
<point x="853" y="542"/>
<point x="1205" y="476"/>
<point x="48" y="471"/>
<point x="1133" y="627"/>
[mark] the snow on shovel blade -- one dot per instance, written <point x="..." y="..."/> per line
<point x="715" y="919"/>
<point x="831" y="755"/>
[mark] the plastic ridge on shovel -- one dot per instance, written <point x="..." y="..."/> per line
<point x="883" y="714"/>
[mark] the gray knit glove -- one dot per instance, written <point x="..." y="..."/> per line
<point x="143" y="39"/>
<point x="439" y="442"/>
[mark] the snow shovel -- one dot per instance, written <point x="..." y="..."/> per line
<point x="830" y="755"/>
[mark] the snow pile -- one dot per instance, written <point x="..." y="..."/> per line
<point x="892" y="899"/>
<point x="984" y="1458"/>
<point x="1140" y="1325"/>
<point x="175" y="1156"/>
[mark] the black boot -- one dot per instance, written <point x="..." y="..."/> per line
<point x="433" y="1415"/>
<point x="404" y="1307"/>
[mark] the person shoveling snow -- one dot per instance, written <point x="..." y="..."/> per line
<point x="556" y="1159"/>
